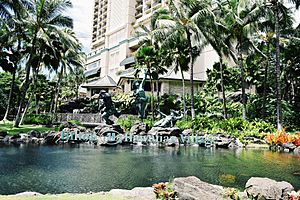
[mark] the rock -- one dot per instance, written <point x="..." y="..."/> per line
<point x="139" y="128"/>
<point x="67" y="125"/>
<point x="192" y="188"/>
<point x="257" y="146"/>
<point x="35" y="134"/>
<point x="24" y="138"/>
<point x="187" y="132"/>
<point x="52" y="138"/>
<point x="236" y="143"/>
<point x="165" y="131"/>
<point x="259" y="141"/>
<point x="3" y="134"/>
<point x="28" y="194"/>
<point x="104" y="127"/>
<point x="289" y="146"/>
<point x="222" y="142"/>
<point x="297" y="150"/>
<point x="172" y="141"/>
<point x="7" y="139"/>
<point x="265" y="188"/>
<point x="138" y="193"/>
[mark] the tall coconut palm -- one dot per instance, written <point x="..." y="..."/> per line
<point x="277" y="7"/>
<point x="45" y="16"/>
<point x="241" y="19"/>
<point x="12" y="13"/>
<point x="70" y="58"/>
<point x="183" y="19"/>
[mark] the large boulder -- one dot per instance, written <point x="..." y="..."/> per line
<point x="139" y="128"/>
<point x="267" y="189"/>
<point x="192" y="188"/>
<point x="53" y="138"/>
<point x="34" y="133"/>
<point x="289" y="147"/>
<point x="3" y="134"/>
<point x="105" y="127"/>
<point x="165" y="131"/>
<point x="297" y="150"/>
<point x="137" y="193"/>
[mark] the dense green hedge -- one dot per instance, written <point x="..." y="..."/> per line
<point x="39" y="119"/>
<point x="233" y="126"/>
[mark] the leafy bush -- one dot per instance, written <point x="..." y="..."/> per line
<point x="233" y="126"/>
<point x="168" y="102"/>
<point x="39" y="119"/>
<point x="127" y="122"/>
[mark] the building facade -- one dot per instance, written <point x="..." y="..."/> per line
<point x="113" y="43"/>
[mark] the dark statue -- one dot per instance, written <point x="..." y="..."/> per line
<point x="140" y="100"/>
<point x="168" y="120"/>
<point x="107" y="107"/>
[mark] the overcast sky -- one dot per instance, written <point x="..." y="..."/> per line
<point x="82" y="14"/>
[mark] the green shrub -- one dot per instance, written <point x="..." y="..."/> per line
<point x="39" y="119"/>
<point x="235" y="127"/>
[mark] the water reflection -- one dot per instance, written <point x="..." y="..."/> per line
<point x="58" y="169"/>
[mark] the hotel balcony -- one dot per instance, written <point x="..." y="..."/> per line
<point x="138" y="15"/>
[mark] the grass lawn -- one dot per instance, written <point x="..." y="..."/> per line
<point x="8" y="126"/>
<point x="64" y="197"/>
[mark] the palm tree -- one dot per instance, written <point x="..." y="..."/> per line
<point x="178" y="55"/>
<point x="12" y="14"/>
<point x="183" y="18"/>
<point x="71" y="58"/>
<point x="150" y="40"/>
<point x="240" y="20"/>
<point x="277" y="7"/>
<point x="216" y="36"/>
<point x="45" y="17"/>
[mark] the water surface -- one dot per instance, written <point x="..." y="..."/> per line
<point x="60" y="169"/>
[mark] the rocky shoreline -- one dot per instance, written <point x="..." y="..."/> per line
<point x="139" y="134"/>
<point x="192" y="188"/>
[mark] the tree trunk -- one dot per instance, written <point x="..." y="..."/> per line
<point x="265" y="86"/>
<point x="26" y="84"/>
<point x="191" y="73"/>
<point x="183" y="94"/>
<point x="10" y="94"/>
<point x="58" y="89"/>
<point x="241" y="63"/>
<point x="157" y="90"/>
<point x="223" y="88"/>
<point x="278" y="71"/>
<point x="35" y="77"/>
<point x="27" y="106"/>
<point x="152" y="96"/>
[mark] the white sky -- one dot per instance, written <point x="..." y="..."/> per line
<point x="82" y="14"/>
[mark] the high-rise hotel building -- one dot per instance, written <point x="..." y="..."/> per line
<point x="114" y="42"/>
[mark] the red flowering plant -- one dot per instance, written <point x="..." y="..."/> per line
<point x="294" y="195"/>
<point x="281" y="137"/>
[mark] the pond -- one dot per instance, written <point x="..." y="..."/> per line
<point x="74" y="169"/>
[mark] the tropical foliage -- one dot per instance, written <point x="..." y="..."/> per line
<point x="36" y="38"/>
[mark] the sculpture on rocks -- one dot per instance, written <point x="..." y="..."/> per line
<point x="168" y="120"/>
<point x="107" y="107"/>
<point x="140" y="99"/>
